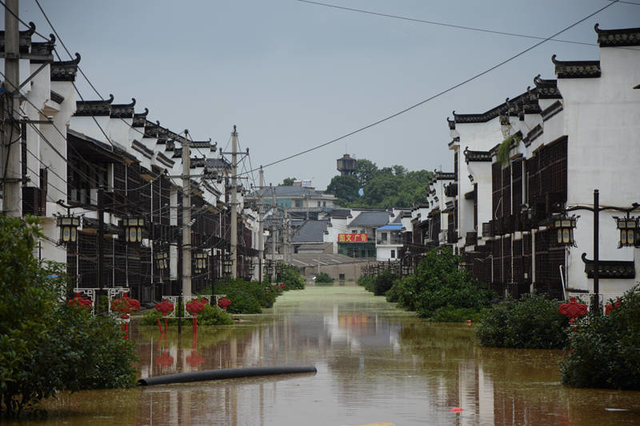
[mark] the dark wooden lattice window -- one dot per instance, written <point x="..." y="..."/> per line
<point x="87" y="260"/>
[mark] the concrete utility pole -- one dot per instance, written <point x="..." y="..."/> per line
<point x="286" y="237"/>
<point x="186" y="215"/>
<point x="234" y="203"/>
<point x="273" y="233"/>
<point x="11" y="175"/>
<point x="260" y="225"/>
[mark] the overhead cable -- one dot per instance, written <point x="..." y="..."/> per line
<point x="437" y="95"/>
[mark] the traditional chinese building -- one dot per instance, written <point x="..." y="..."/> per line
<point x="527" y="170"/>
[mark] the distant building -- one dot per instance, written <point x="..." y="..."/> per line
<point x="346" y="165"/>
<point x="300" y="201"/>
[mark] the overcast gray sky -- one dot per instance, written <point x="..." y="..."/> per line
<point x="293" y="75"/>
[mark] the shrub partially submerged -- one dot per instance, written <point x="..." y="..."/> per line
<point x="46" y="346"/>
<point x="210" y="315"/>
<point x="378" y="284"/>
<point x="440" y="285"/>
<point x="323" y="278"/>
<point x="604" y="350"/>
<point x="533" y="322"/>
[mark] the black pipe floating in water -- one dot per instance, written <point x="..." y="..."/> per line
<point x="226" y="373"/>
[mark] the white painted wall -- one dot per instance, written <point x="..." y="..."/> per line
<point x="475" y="137"/>
<point x="602" y="119"/>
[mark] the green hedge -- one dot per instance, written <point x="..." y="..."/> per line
<point x="533" y="322"/>
<point x="378" y="284"/>
<point x="439" y="284"/>
<point x="208" y="316"/>
<point x="323" y="278"/>
<point x="291" y="278"/>
<point x="604" y="352"/>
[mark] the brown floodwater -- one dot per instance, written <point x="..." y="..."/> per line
<point x="375" y="364"/>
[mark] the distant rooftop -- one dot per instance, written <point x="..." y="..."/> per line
<point x="374" y="219"/>
<point x="310" y="231"/>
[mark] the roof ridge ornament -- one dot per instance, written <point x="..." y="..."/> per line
<point x="576" y="69"/>
<point x="617" y="37"/>
<point x="32" y="29"/>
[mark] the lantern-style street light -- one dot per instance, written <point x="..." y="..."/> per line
<point x="133" y="229"/>
<point x="68" y="228"/>
<point x="564" y="230"/>
<point x="628" y="227"/>
<point x="200" y="261"/>
<point x="227" y="264"/>
<point x="68" y="225"/>
<point x="162" y="260"/>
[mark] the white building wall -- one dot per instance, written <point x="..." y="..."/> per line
<point x="602" y="119"/>
<point x="475" y="137"/>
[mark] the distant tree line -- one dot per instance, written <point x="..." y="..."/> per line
<point x="375" y="187"/>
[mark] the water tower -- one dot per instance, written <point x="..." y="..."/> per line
<point x="346" y="165"/>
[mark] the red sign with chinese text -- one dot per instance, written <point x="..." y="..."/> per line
<point x="352" y="238"/>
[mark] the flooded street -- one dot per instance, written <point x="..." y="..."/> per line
<point x="375" y="364"/>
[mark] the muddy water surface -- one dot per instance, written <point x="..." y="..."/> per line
<point x="375" y="364"/>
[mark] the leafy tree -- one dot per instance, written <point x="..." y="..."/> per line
<point x="382" y="191"/>
<point x="399" y="170"/>
<point x="288" y="181"/>
<point x="344" y="187"/>
<point x="388" y="187"/>
<point x="365" y="171"/>
<point x="46" y="346"/>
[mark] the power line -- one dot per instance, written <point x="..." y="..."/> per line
<point x="86" y="78"/>
<point x="437" y="95"/>
<point x="29" y="25"/>
<point x="442" y="24"/>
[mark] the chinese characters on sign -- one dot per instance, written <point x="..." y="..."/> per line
<point x="352" y="238"/>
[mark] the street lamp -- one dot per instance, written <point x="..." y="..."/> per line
<point x="268" y="269"/>
<point x="227" y="265"/>
<point x="201" y="261"/>
<point x="68" y="225"/>
<point x="162" y="260"/>
<point x="565" y="227"/>
<point x="68" y="228"/>
<point x="133" y="229"/>
<point x="628" y="227"/>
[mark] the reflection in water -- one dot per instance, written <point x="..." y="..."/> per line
<point x="375" y="364"/>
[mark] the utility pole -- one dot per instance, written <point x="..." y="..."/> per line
<point x="11" y="167"/>
<point x="234" y="203"/>
<point x="273" y="233"/>
<point x="186" y="215"/>
<point x="260" y="225"/>
<point x="286" y="237"/>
